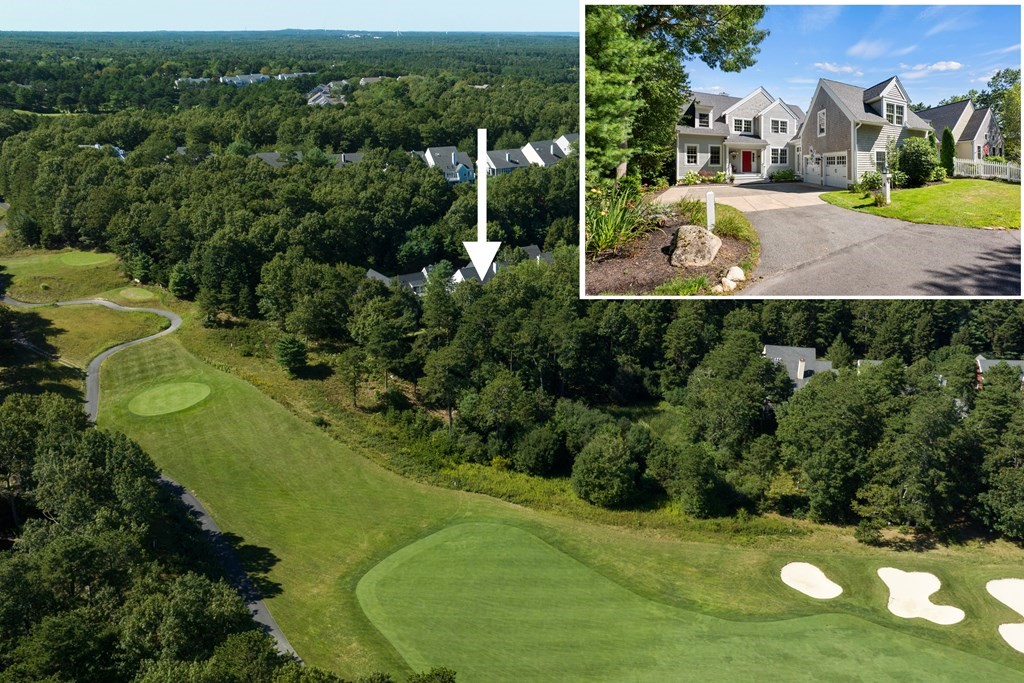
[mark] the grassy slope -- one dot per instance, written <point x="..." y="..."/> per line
<point x="45" y="277"/>
<point x="79" y="333"/>
<point x="492" y="579"/>
<point x="968" y="203"/>
<point x="329" y="515"/>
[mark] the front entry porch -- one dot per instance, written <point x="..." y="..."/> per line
<point x="746" y="160"/>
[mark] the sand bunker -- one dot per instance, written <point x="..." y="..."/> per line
<point x="810" y="580"/>
<point x="909" y="594"/>
<point x="1010" y="592"/>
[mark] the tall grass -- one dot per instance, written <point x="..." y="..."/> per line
<point x="615" y="217"/>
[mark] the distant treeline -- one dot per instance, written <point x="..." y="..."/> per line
<point x="104" y="72"/>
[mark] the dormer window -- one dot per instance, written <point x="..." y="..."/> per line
<point x="703" y="119"/>
<point x="743" y="125"/>
<point x="894" y="113"/>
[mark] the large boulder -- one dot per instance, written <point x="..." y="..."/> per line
<point x="695" y="247"/>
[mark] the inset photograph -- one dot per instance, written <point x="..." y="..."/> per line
<point x="833" y="151"/>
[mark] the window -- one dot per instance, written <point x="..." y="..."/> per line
<point x="703" y="119"/>
<point x="835" y="160"/>
<point x="979" y="151"/>
<point x="691" y="155"/>
<point x="714" y="155"/>
<point x="780" y="155"/>
<point x="894" y="113"/>
<point x="780" y="126"/>
<point x="879" y="161"/>
<point x="821" y="123"/>
<point x="743" y="125"/>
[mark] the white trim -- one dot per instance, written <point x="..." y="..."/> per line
<point x="696" y="119"/>
<point x="821" y="121"/>
<point x="741" y="131"/>
<point x="784" y="106"/>
<point x="780" y="131"/>
<point x="760" y="89"/>
<point x="777" y="159"/>
<point x="886" y="103"/>
<point x="884" y="154"/>
<point x="686" y="154"/>
<point x="720" y="160"/>
<point x="702" y="133"/>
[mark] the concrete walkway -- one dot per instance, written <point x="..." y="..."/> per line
<point x="812" y="248"/>
<point x="234" y="570"/>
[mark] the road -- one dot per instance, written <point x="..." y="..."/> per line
<point x="811" y="248"/>
<point x="234" y="570"/>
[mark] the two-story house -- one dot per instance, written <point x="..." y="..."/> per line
<point x="849" y="127"/>
<point x="975" y="131"/>
<point x="751" y="137"/>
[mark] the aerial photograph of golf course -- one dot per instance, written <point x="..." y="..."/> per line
<point x="235" y="448"/>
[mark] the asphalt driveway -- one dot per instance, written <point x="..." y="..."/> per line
<point x="810" y="248"/>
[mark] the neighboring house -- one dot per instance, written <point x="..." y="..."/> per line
<point x="544" y="153"/>
<point x="848" y="128"/>
<point x="750" y="136"/>
<point x="288" y="77"/>
<point x="244" y="79"/>
<point x="456" y="166"/>
<point x="568" y="142"/>
<point x="801" y="363"/>
<point x="278" y="160"/>
<point x="190" y="81"/>
<point x="113" y="150"/>
<point x="975" y="131"/>
<point x="417" y="281"/>
<point x="983" y="365"/>
<point x="370" y="80"/>
<point x="501" y="161"/>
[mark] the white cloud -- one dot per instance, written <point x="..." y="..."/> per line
<point x="904" y="51"/>
<point x="922" y="70"/>
<point x="942" y="26"/>
<point x="837" y="69"/>
<point x="814" y="19"/>
<point x="868" y="49"/>
<point x="1003" y="51"/>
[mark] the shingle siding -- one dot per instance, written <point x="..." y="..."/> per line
<point x="749" y="110"/>
<point x="894" y="93"/>
<point x="837" y="127"/>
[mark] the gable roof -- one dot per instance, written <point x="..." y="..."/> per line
<point x="800" y="115"/>
<point x="501" y="159"/>
<point x="854" y="99"/>
<point x="876" y="91"/>
<point x="448" y="159"/>
<point x="759" y="89"/>
<point x="784" y="106"/>
<point x="945" y="116"/>
<point x="719" y="103"/>
<point x="974" y="124"/>
<point x="547" y="150"/>
<point x="790" y="356"/>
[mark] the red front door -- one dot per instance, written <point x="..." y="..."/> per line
<point x="748" y="161"/>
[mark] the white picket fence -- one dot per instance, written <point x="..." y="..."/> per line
<point x="966" y="168"/>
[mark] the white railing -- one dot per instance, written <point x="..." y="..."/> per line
<point x="967" y="168"/>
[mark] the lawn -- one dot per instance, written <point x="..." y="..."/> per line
<point x="584" y="600"/>
<point x="968" y="203"/>
<point x="79" y="333"/>
<point x="48" y="276"/>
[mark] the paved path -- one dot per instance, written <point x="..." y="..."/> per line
<point x="811" y="248"/>
<point x="233" y="567"/>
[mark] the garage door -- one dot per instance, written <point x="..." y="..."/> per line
<point x="812" y="173"/>
<point x="835" y="170"/>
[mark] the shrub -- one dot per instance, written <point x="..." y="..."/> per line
<point x="948" y="150"/>
<point x="996" y="160"/>
<point x="290" y="352"/>
<point x="879" y="199"/>
<point x="939" y="174"/>
<point x="691" y="178"/>
<point x="869" y="532"/>
<point x="784" y="174"/>
<point x="615" y="217"/>
<point x="537" y="452"/>
<point x="918" y="161"/>
<point x="899" y="179"/>
<point x="870" y="182"/>
<point x="605" y="472"/>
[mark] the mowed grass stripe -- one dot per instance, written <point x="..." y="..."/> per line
<point x="330" y="515"/>
<point x="489" y="592"/>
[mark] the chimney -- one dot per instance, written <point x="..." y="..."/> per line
<point x="453" y="158"/>
<point x="552" y="149"/>
<point x="801" y="369"/>
<point x="508" y="157"/>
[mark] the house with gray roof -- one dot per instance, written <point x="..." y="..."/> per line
<point x="296" y="74"/>
<point x="500" y="161"/>
<point x="190" y="81"/>
<point x="456" y="166"/>
<point x="745" y="137"/>
<point x="801" y="363"/>
<point x="543" y="153"/>
<point x="849" y="127"/>
<point x="417" y="281"/>
<point x="244" y="79"/>
<point x="983" y="365"/>
<point x="975" y="130"/>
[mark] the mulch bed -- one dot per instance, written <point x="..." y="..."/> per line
<point x="639" y="267"/>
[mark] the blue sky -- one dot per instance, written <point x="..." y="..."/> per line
<point x="210" y="15"/>
<point x="937" y="51"/>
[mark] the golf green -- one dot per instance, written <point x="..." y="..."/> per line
<point x="137" y="294"/>
<point x="168" y="398"/>
<point x="495" y="602"/>
<point x="86" y="258"/>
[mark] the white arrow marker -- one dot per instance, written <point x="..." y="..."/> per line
<point x="481" y="252"/>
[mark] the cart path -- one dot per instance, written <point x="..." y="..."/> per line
<point x="233" y="567"/>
